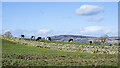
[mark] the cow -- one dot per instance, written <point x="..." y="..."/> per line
<point x="22" y="36"/>
<point x="110" y="44"/>
<point x="118" y="43"/>
<point x="90" y="42"/>
<point x="32" y="37"/>
<point x="39" y="38"/>
<point x="48" y="38"/>
<point x="70" y="40"/>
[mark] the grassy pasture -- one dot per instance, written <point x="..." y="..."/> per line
<point x="24" y="55"/>
<point x="65" y="42"/>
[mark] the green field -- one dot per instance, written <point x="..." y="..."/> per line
<point x="65" y="42"/>
<point x="25" y="55"/>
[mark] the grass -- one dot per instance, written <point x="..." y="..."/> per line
<point x="24" y="55"/>
<point x="65" y="42"/>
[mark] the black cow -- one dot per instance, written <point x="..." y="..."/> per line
<point x="119" y="44"/>
<point x="39" y="38"/>
<point x="22" y="36"/>
<point x="70" y="40"/>
<point x="32" y="37"/>
<point x="48" y="38"/>
<point x="110" y="44"/>
<point x="90" y="42"/>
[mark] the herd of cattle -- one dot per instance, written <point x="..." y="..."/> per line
<point x="46" y="38"/>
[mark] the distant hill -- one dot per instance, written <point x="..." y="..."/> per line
<point x="77" y="38"/>
<point x="72" y="36"/>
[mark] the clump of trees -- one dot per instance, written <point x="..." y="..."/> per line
<point x="8" y="34"/>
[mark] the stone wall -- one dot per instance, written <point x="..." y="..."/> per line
<point x="68" y="47"/>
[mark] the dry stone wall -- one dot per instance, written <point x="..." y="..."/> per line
<point x="66" y="47"/>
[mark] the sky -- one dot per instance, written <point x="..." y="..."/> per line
<point x="60" y="18"/>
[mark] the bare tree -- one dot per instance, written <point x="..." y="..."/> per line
<point x="104" y="39"/>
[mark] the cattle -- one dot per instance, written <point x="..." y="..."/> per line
<point x="118" y="43"/>
<point x="90" y="42"/>
<point x="48" y="38"/>
<point x="70" y="40"/>
<point x="32" y="37"/>
<point x="110" y="44"/>
<point x="39" y="38"/>
<point x="22" y="36"/>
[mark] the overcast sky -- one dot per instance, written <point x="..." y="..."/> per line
<point x="60" y="18"/>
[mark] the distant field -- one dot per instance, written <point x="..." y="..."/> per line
<point x="64" y="42"/>
<point x="24" y="55"/>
